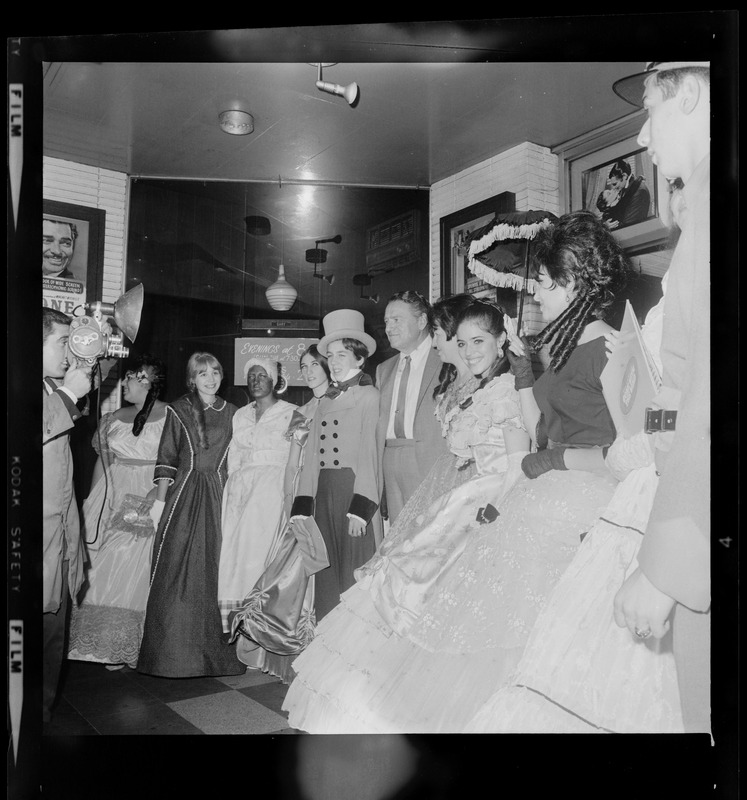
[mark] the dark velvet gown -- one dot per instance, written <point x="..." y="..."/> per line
<point x="182" y="636"/>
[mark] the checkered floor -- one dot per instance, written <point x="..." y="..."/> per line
<point x="95" y="701"/>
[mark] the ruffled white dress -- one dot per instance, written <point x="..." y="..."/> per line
<point x="370" y="669"/>
<point x="107" y="626"/>
<point x="252" y="508"/>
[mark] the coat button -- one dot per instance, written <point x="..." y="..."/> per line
<point x="321" y="463"/>
<point x="335" y="450"/>
<point x="336" y="463"/>
<point x="334" y="436"/>
<point x="321" y="449"/>
<point x="323" y="436"/>
<point x="335" y="421"/>
<point x="324" y="422"/>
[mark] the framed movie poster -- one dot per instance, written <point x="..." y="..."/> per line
<point x="72" y="255"/>
<point x="608" y="173"/>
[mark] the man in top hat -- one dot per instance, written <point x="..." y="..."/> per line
<point x="409" y="434"/>
<point x="339" y="482"/>
<point x="672" y="586"/>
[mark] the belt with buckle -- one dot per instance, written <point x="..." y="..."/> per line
<point x="658" y="419"/>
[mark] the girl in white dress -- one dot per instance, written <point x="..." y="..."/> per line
<point x="108" y="625"/>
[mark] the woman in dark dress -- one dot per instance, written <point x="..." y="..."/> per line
<point x="182" y="636"/>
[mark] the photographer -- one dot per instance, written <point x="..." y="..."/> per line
<point x="63" y="551"/>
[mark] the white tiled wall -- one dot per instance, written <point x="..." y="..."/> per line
<point x="528" y="170"/>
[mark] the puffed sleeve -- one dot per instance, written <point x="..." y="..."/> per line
<point x="303" y="502"/>
<point x="167" y="461"/>
<point x="298" y="428"/>
<point x="504" y="407"/>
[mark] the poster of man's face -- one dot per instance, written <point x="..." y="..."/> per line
<point x="60" y="244"/>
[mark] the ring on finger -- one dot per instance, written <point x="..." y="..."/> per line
<point x="643" y="634"/>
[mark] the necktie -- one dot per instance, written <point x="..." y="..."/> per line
<point x="399" y="412"/>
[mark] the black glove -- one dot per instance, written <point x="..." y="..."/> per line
<point x="521" y="367"/>
<point x="536" y="464"/>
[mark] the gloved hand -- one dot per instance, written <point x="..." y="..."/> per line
<point x="519" y="358"/>
<point x="156" y="512"/>
<point x="536" y="464"/>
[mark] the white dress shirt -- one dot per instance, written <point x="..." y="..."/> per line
<point x="418" y="359"/>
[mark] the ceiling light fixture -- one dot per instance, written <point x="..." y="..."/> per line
<point x="349" y="92"/>
<point x="281" y="295"/>
<point x="236" y="122"/>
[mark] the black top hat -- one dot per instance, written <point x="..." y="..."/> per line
<point x="631" y="87"/>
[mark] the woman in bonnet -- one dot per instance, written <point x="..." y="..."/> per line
<point x="253" y="498"/>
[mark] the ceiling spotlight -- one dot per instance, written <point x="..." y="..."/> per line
<point x="236" y="122"/>
<point x="349" y="92"/>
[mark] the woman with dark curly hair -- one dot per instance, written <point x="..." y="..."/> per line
<point x="107" y="626"/>
<point x="438" y="668"/>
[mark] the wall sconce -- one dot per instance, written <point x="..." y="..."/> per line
<point x="365" y="280"/>
<point x="257" y="226"/>
<point x="349" y="92"/>
<point x="318" y="255"/>
<point x="236" y="122"/>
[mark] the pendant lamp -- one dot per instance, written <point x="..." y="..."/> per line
<point x="281" y="295"/>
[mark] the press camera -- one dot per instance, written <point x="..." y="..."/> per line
<point x="92" y="336"/>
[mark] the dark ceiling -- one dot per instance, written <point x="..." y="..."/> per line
<point x="435" y="97"/>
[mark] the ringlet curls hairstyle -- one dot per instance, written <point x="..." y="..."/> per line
<point x="581" y="248"/>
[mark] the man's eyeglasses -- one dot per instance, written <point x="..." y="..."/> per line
<point x="140" y="377"/>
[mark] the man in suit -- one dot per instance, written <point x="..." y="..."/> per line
<point x="672" y="586"/>
<point x="63" y="555"/>
<point x="408" y="433"/>
<point x="58" y="246"/>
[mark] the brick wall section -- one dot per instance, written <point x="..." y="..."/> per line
<point x="528" y="170"/>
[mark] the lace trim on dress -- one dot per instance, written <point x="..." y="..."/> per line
<point x="107" y="634"/>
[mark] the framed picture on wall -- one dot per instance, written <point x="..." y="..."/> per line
<point x="72" y="255"/>
<point x="455" y="230"/>
<point x="609" y="174"/>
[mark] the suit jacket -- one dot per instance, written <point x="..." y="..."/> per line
<point x="61" y="525"/>
<point x="343" y="434"/>
<point x="429" y="441"/>
<point x="675" y="553"/>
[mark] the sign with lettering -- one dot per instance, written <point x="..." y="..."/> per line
<point x="287" y="352"/>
